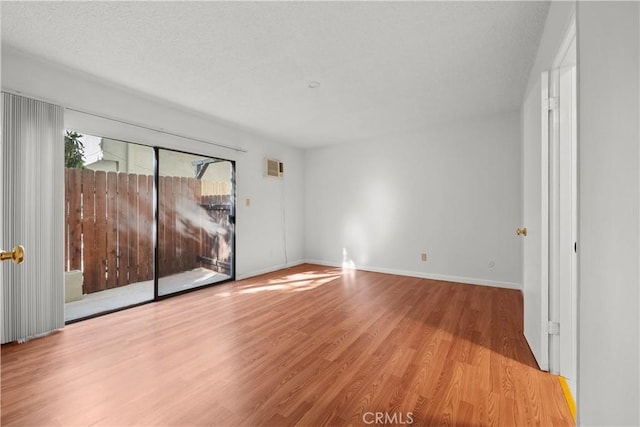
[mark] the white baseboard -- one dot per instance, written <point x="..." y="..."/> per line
<point x="423" y="275"/>
<point x="269" y="269"/>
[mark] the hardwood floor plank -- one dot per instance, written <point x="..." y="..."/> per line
<point x="307" y="346"/>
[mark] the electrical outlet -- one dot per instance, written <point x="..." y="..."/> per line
<point x="248" y="202"/>
<point x="423" y="257"/>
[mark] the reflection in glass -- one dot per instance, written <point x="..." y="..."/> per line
<point x="195" y="230"/>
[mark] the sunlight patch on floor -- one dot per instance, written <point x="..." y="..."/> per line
<point x="290" y="283"/>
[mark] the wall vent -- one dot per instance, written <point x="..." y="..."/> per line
<point x="275" y="168"/>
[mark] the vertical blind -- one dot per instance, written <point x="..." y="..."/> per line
<point x="31" y="214"/>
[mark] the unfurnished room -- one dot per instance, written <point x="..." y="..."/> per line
<point x="320" y="213"/>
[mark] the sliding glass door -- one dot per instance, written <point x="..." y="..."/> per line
<point x="142" y="223"/>
<point x="108" y="225"/>
<point x="195" y="221"/>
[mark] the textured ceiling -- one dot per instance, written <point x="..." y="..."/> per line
<point x="383" y="67"/>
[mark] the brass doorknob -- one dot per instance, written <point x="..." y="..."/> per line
<point x="521" y="231"/>
<point x="16" y="255"/>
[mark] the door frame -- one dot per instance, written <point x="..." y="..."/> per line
<point x="559" y="211"/>
<point x="156" y="209"/>
<point x="563" y="284"/>
<point x="156" y="232"/>
<point x="550" y="259"/>
<point x="544" y="222"/>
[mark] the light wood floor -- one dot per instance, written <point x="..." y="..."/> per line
<point x="309" y="345"/>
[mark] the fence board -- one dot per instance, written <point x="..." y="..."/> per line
<point x="75" y="220"/>
<point x="150" y="227"/>
<point x="181" y="210"/>
<point x="163" y="235"/>
<point x="145" y="188"/>
<point x="142" y="228"/>
<point x="177" y="245"/>
<point x="197" y="196"/>
<point x="88" y="230"/>
<point x="148" y="209"/>
<point x="112" y="230"/>
<point x="185" y="223"/>
<point x="101" y="229"/>
<point x="132" y="226"/>
<point x="215" y="200"/>
<point x="177" y="242"/>
<point x="123" y="231"/>
<point x="180" y="214"/>
<point x="205" y="185"/>
<point x="67" y="193"/>
<point x="206" y="237"/>
<point x="171" y="225"/>
<point x="193" y="228"/>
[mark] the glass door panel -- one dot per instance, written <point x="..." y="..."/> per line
<point x="108" y="225"/>
<point x="195" y="221"/>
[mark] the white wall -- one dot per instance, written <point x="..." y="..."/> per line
<point x="609" y="224"/>
<point x="260" y="227"/>
<point x="452" y="192"/>
<point x="558" y="21"/>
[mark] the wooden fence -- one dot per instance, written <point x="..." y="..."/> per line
<point x="109" y="226"/>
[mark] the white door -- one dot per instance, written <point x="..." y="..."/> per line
<point x="550" y="214"/>
<point x="563" y="214"/>
<point x="535" y="160"/>
<point x="566" y="353"/>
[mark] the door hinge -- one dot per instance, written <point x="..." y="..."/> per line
<point x="553" y="328"/>
<point x="551" y="103"/>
